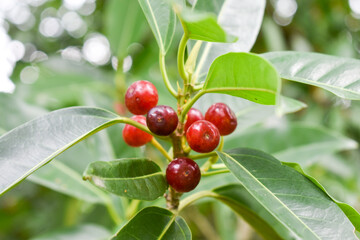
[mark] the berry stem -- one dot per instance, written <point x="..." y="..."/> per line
<point x="158" y="146"/>
<point x="213" y="159"/>
<point x="181" y="57"/>
<point x="204" y="174"/>
<point x="165" y="76"/>
<point x="189" y="104"/>
<point x="139" y="126"/>
<point x="196" y="196"/>
<point x="203" y="155"/>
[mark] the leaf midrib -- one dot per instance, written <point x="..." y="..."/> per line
<point x="274" y="196"/>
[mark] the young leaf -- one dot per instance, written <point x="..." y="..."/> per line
<point x="154" y="223"/>
<point x="132" y="178"/>
<point x="239" y="18"/>
<point x="35" y="143"/>
<point x="338" y="75"/>
<point x="162" y="21"/>
<point x="293" y="142"/>
<point x="244" y="75"/>
<point x="289" y="196"/>
<point x="124" y="25"/>
<point x="203" y="26"/>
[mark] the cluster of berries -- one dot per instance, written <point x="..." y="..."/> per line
<point x="202" y="133"/>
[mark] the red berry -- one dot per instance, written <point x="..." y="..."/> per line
<point x="193" y="115"/>
<point x="140" y="97"/>
<point x="222" y="117"/>
<point x="203" y="136"/>
<point x="162" y="120"/>
<point x="134" y="136"/>
<point x="183" y="174"/>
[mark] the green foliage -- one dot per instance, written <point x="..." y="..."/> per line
<point x="286" y="194"/>
<point x="244" y="75"/>
<point x="280" y="200"/>
<point x="124" y="24"/>
<point x="337" y="75"/>
<point x="162" y="21"/>
<point x="155" y="223"/>
<point x="53" y="133"/>
<point x="133" y="178"/>
<point x="296" y="143"/>
<point x="203" y="26"/>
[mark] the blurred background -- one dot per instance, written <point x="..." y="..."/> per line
<point x="56" y="54"/>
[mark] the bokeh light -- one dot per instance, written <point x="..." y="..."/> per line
<point x="96" y="49"/>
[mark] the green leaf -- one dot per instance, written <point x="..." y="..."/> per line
<point x="338" y="75"/>
<point x="87" y="231"/>
<point x="203" y="26"/>
<point x="244" y="204"/>
<point x="239" y="18"/>
<point x="61" y="178"/>
<point x="35" y="143"/>
<point x="349" y="211"/>
<point x="162" y="21"/>
<point x="243" y="75"/>
<point x="288" y="195"/>
<point x="124" y="25"/>
<point x="154" y="223"/>
<point x="133" y="178"/>
<point x="298" y="143"/>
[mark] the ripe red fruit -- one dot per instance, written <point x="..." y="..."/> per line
<point x="135" y="137"/>
<point x="183" y="174"/>
<point x="193" y="115"/>
<point x="162" y="120"/>
<point x="222" y="117"/>
<point x="203" y="136"/>
<point x="140" y="97"/>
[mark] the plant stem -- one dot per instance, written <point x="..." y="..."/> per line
<point x="196" y="196"/>
<point x="218" y="166"/>
<point x="158" y="146"/>
<point x="215" y="172"/>
<point x="165" y="76"/>
<point x="180" y="58"/>
<point x="189" y="104"/>
<point x="213" y="159"/>
<point x="203" y="155"/>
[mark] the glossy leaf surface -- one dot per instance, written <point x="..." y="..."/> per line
<point x="133" y="178"/>
<point x="338" y="75"/>
<point x="33" y="144"/>
<point x="154" y="223"/>
<point x="243" y="75"/>
<point x="288" y="195"/>
<point x="162" y="21"/>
